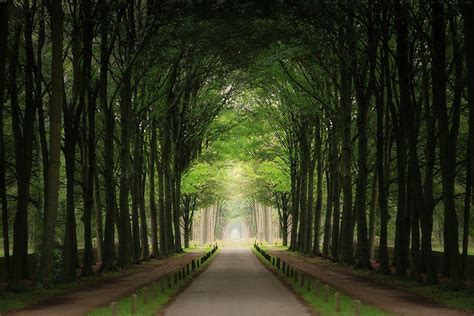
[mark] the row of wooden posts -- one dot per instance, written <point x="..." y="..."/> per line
<point x="306" y="280"/>
<point x="166" y="281"/>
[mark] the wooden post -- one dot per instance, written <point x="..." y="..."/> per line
<point x="317" y="285"/>
<point x="296" y="276"/>
<point x="169" y="280"/>
<point x="162" y="286"/>
<point x="337" y="297"/>
<point x="113" y="308"/>
<point x="283" y="266"/>
<point x="183" y="274"/>
<point x="175" y="277"/>
<point x="357" y="306"/>
<point x="326" y="292"/>
<point x="145" y="295"/>
<point x="134" y="304"/>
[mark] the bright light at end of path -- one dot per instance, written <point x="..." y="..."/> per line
<point x="235" y="234"/>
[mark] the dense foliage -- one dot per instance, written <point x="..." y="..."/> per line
<point x="354" y="120"/>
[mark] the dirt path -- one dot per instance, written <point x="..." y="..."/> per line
<point x="236" y="283"/>
<point x="392" y="300"/>
<point x="85" y="300"/>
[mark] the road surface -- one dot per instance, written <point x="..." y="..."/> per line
<point x="236" y="283"/>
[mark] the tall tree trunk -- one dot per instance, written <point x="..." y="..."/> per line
<point x="327" y="220"/>
<point x="108" y="253"/>
<point x="447" y="143"/>
<point x="430" y="151"/>
<point x="373" y="214"/>
<point x="383" y="150"/>
<point x="347" y="227"/>
<point x="167" y="194"/>
<point x="468" y="16"/>
<point x="308" y="245"/>
<point x="285" y="213"/>
<point x="302" y="190"/>
<point x="43" y="142"/>
<point x="70" y="238"/>
<point x="125" y="236"/>
<point x="99" y="227"/>
<point x="89" y="97"/>
<point x="176" y="183"/>
<point x="54" y="163"/>
<point x="145" y="253"/>
<point x="319" y="193"/>
<point x="335" y="240"/>
<point x="204" y="220"/>
<point x="23" y="148"/>
<point x="4" y="19"/>
<point x="402" y="232"/>
<point x="363" y="260"/>
<point x="334" y="168"/>
<point x="466" y="219"/>
<point x="347" y="230"/>
<point x="186" y="220"/>
<point x="152" y="192"/>
<point x="161" y="206"/>
<point x="294" y="198"/>
<point x="135" y="192"/>
<point x="72" y="116"/>
<point x="415" y="189"/>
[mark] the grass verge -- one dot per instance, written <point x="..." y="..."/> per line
<point x="441" y="293"/>
<point x="156" y="299"/>
<point x="313" y="295"/>
<point x="32" y="295"/>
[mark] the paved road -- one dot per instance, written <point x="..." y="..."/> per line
<point x="236" y="283"/>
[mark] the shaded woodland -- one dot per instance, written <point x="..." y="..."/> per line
<point x="359" y="122"/>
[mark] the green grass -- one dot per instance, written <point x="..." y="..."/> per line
<point x="2" y="251"/>
<point x="314" y="296"/>
<point x="442" y="293"/>
<point x="198" y="248"/>
<point x="156" y="299"/>
<point x="32" y="295"/>
<point x="11" y="301"/>
<point x="470" y="249"/>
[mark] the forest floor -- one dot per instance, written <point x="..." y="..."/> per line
<point x="85" y="299"/>
<point x="391" y="295"/>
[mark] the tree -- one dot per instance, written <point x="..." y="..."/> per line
<point x="55" y="111"/>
